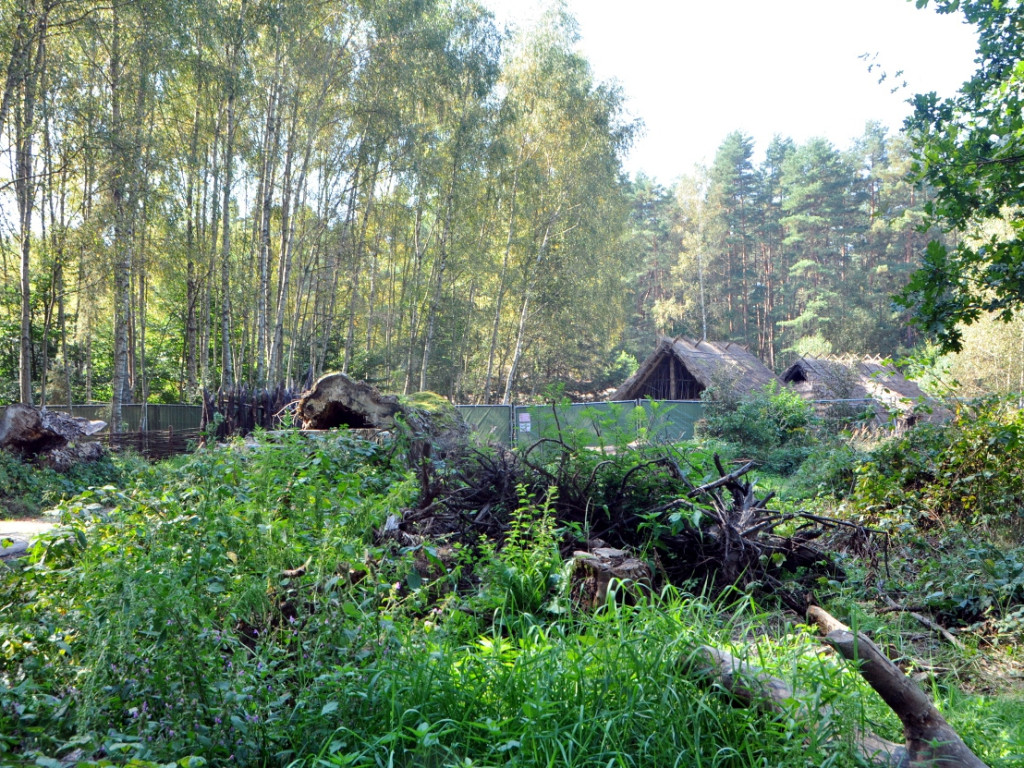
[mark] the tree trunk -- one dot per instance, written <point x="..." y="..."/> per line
<point x="122" y="235"/>
<point x="499" y="300"/>
<point x="268" y="173"/>
<point x="30" y="67"/>
<point x="930" y="739"/>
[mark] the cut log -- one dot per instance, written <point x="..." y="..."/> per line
<point x="49" y="437"/>
<point x="593" y="572"/>
<point x="931" y="741"/>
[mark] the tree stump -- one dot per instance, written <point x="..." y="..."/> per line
<point x="432" y="426"/>
<point x="592" y="574"/>
<point x="337" y="400"/>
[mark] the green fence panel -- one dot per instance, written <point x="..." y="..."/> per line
<point x="160" y="416"/>
<point x="492" y="423"/>
<point x="670" y="421"/>
<point x="592" y="424"/>
<point x="607" y="424"/>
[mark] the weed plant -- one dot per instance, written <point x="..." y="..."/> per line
<point x="26" y="489"/>
<point x="967" y="471"/>
<point x="233" y="608"/>
<point x="773" y="425"/>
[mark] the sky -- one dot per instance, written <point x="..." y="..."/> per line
<point x="695" y="70"/>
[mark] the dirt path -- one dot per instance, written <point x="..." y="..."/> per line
<point x="16" y="535"/>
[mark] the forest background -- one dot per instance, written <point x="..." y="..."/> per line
<point x="204" y="194"/>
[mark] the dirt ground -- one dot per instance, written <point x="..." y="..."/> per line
<point x="16" y="535"/>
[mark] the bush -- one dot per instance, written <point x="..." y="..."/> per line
<point x="829" y="470"/>
<point x="967" y="471"/>
<point x="26" y="489"/>
<point x="773" y="425"/>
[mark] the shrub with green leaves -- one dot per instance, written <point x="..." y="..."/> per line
<point x="967" y="471"/>
<point x="772" y="425"/>
<point x="27" y="489"/>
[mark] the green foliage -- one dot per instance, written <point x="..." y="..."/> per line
<point x="233" y="605"/>
<point x="524" y="575"/>
<point x="830" y="470"/>
<point x="27" y="489"/>
<point x="966" y="471"/>
<point x="968" y="581"/>
<point x="772" y="425"/>
<point x="166" y="618"/>
<point x="968" y="147"/>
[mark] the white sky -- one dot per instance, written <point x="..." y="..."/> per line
<point x="694" y="70"/>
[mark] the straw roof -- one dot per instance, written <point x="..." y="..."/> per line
<point x="680" y="369"/>
<point x="835" y="378"/>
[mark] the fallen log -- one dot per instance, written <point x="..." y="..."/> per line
<point x="753" y="687"/>
<point x="51" y="438"/>
<point x="930" y="741"/>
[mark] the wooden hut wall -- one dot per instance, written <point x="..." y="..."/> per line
<point x="671" y="380"/>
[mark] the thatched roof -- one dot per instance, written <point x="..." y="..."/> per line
<point x="680" y="369"/>
<point x="835" y="378"/>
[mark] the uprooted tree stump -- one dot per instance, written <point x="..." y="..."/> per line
<point x="432" y="426"/>
<point x="337" y="400"/>
<point x="593" y="572"/>
<point x="51" y="438"/>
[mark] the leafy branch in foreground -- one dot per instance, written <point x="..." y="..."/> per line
<point x="969" y="149"/>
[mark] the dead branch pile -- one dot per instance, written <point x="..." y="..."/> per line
<point x="722" y="531"/>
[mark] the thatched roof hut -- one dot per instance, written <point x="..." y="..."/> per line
<point x="680" y="369"/>
<point x="868" y="379"/>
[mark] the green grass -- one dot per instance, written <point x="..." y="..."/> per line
<point x="164" y="627"/>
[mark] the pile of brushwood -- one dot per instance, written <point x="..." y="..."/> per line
<point x="708" y="523"/>
<point x="614" y="501"/>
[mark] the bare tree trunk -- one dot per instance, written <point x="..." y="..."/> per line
<point x="442" y="266"/>
<point x="285" y="257"/>
<point x="191" y="346"/>
<point x="227" y="372"/>
<point x="523" y="314"/>
<point x="267" y="174"/>
<point x="122" y="236"/>
<point x="499" y="301"/>
<point x="24" y="130"/>
<point x="213" y="245"/>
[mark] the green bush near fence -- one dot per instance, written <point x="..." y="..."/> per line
<point x="772" y="425"/>
<point x="26" y="489"/>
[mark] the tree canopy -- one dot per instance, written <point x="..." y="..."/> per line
<point x="970" y="149"/>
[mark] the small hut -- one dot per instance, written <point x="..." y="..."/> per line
<point x="681" y="369"/>
<point x="852" y="379"/>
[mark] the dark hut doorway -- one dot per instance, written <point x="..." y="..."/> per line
<point x="672" y="381"/>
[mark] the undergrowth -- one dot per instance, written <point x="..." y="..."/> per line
<point x="235" y="607"/>
<point x="26" y="490"/>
